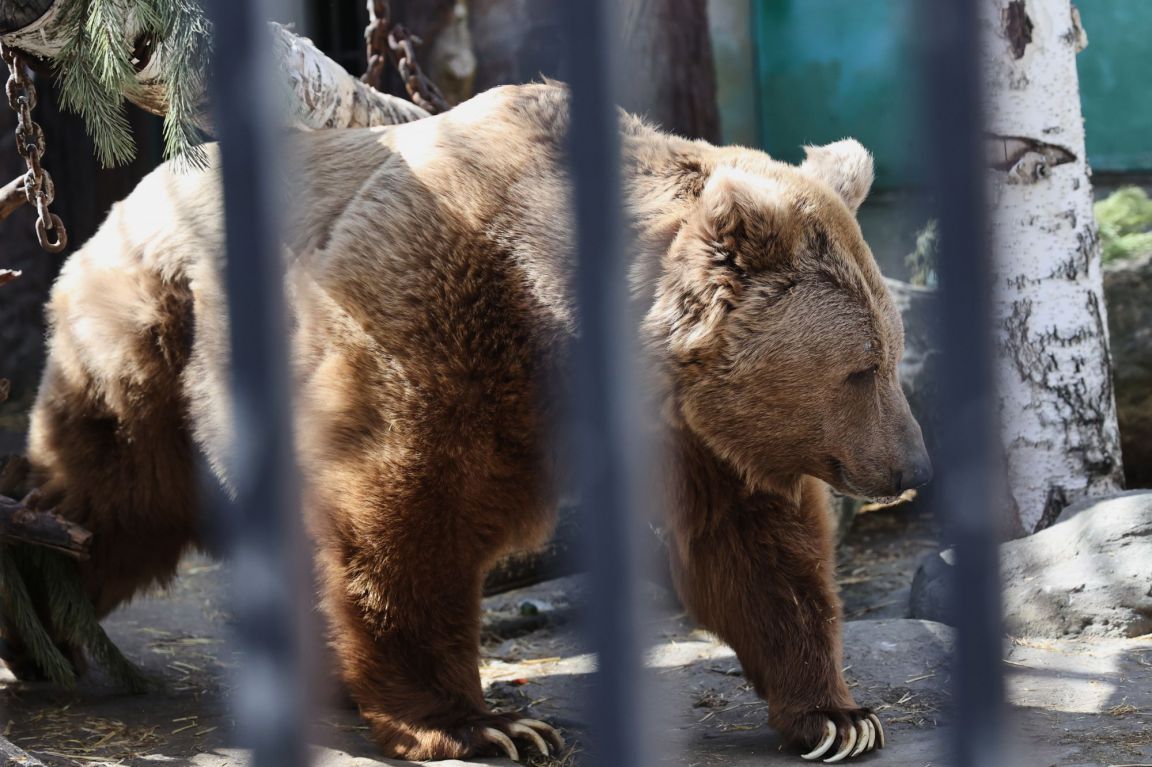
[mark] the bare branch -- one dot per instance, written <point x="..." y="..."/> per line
<point x="12" y="197"/>
<point x="20" y="522"/>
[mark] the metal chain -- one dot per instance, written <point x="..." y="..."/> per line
<point x="402" y="45"/>
<point x="376" y="37"/>
<point x="422" y="90"/>
<point x="38" y="187"/>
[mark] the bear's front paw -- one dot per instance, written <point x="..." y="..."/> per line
<point x="503" y="732"/>
<point x="841" y="734"/>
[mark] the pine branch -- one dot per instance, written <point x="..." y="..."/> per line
<point x="20" y="616"/>
<point x="155" y="53"/>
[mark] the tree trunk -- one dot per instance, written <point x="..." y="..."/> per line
<point x="668" y="74"/>
<point x="1060" y="436"/>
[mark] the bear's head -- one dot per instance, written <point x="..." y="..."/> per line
<point x="780" y="341"/>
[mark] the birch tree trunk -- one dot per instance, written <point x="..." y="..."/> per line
<point x="1059" y="417"/>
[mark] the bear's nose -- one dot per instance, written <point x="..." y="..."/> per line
<point x="915" y="473"/>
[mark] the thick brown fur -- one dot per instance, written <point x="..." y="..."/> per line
<point x="428" y="276"/>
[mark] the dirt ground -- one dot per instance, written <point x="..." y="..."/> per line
<point x="1076" y="703"/>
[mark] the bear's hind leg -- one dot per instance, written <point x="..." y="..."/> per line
<point x="109" y="443"/>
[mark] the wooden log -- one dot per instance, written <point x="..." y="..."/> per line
<point x="16" y="14"/>
<point x="20" y="522"/>
<point x="555" y="560"/>
<point x="12" y="197"/>
<point x="14" y="756"/>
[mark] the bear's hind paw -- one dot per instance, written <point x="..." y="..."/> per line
<point x="855" y="732"/>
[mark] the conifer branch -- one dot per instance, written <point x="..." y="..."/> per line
<point x="154" y="53"/>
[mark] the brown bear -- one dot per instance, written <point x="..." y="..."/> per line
<point x="428" y="277"/>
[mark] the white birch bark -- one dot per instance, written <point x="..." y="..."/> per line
<point x="320" y="93"/>
<point x="1055" y="380"/>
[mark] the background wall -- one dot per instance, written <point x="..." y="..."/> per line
<point x="825" y="69"/>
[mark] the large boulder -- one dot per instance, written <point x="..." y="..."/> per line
<point x="1127" y="288"/>
<point x="918" y="310"/>
<point x="1090" y="574"/>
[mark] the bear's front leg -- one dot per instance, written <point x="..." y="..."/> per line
<point x="402" y="591"/>
<point x="759" y="573"/>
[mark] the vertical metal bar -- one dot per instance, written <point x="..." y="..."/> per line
<point x="604" y="396"/>
<point x="266" y="515"/>
<point x="968" y="484"/>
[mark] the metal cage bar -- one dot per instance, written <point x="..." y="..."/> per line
<point x="604" y="396"/>
<point x="967" y="481"/>
<point x="265" y="515"/>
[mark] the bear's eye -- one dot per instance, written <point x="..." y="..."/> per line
<point x="863" y="376"/>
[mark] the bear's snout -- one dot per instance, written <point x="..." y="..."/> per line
<point x="914" y="468"/>
<point x="916" y="472"/>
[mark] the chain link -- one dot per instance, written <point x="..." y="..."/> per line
<point x="376" y="37"/>
<point x="383" y="37"/>
<point x="38" y="187"/>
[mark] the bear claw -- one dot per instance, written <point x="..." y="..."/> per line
<point x="503" y="734"/>
<point x="846" y="750"/>
<point x="879" y="729"/>
<point x="860" y="734"/>
<point x="516" y="728"/>
<point x="863" y="728"/>
<point x="494" y="736"/>
<point x="547" y="730"/>
<point x="825" y="744"/>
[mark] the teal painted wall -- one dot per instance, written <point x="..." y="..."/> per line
<point x="833" y="68"/>
<point x="1116" y="83"/>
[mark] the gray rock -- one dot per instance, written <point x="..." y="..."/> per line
<point x="917" y="307"/>
<point x="1088" y="575"/>
<point x="931" y="588"/>
<point x="1127" y="286"/>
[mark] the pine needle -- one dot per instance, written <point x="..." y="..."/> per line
<point x="20" y="616"/>
<point x="95" y="71"/>
<point x="35" y="582"/>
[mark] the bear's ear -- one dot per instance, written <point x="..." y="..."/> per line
<point x="742" y="225"/>
<point x="846" y="166"/>
<point x="747" y="216"/>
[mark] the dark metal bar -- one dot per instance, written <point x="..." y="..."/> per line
<point x="266" y="513"/>
<point x="604" y="396"/>
<point x="968" y="479"/>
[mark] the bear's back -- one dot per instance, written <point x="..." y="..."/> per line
<point x="441" y="240"/>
